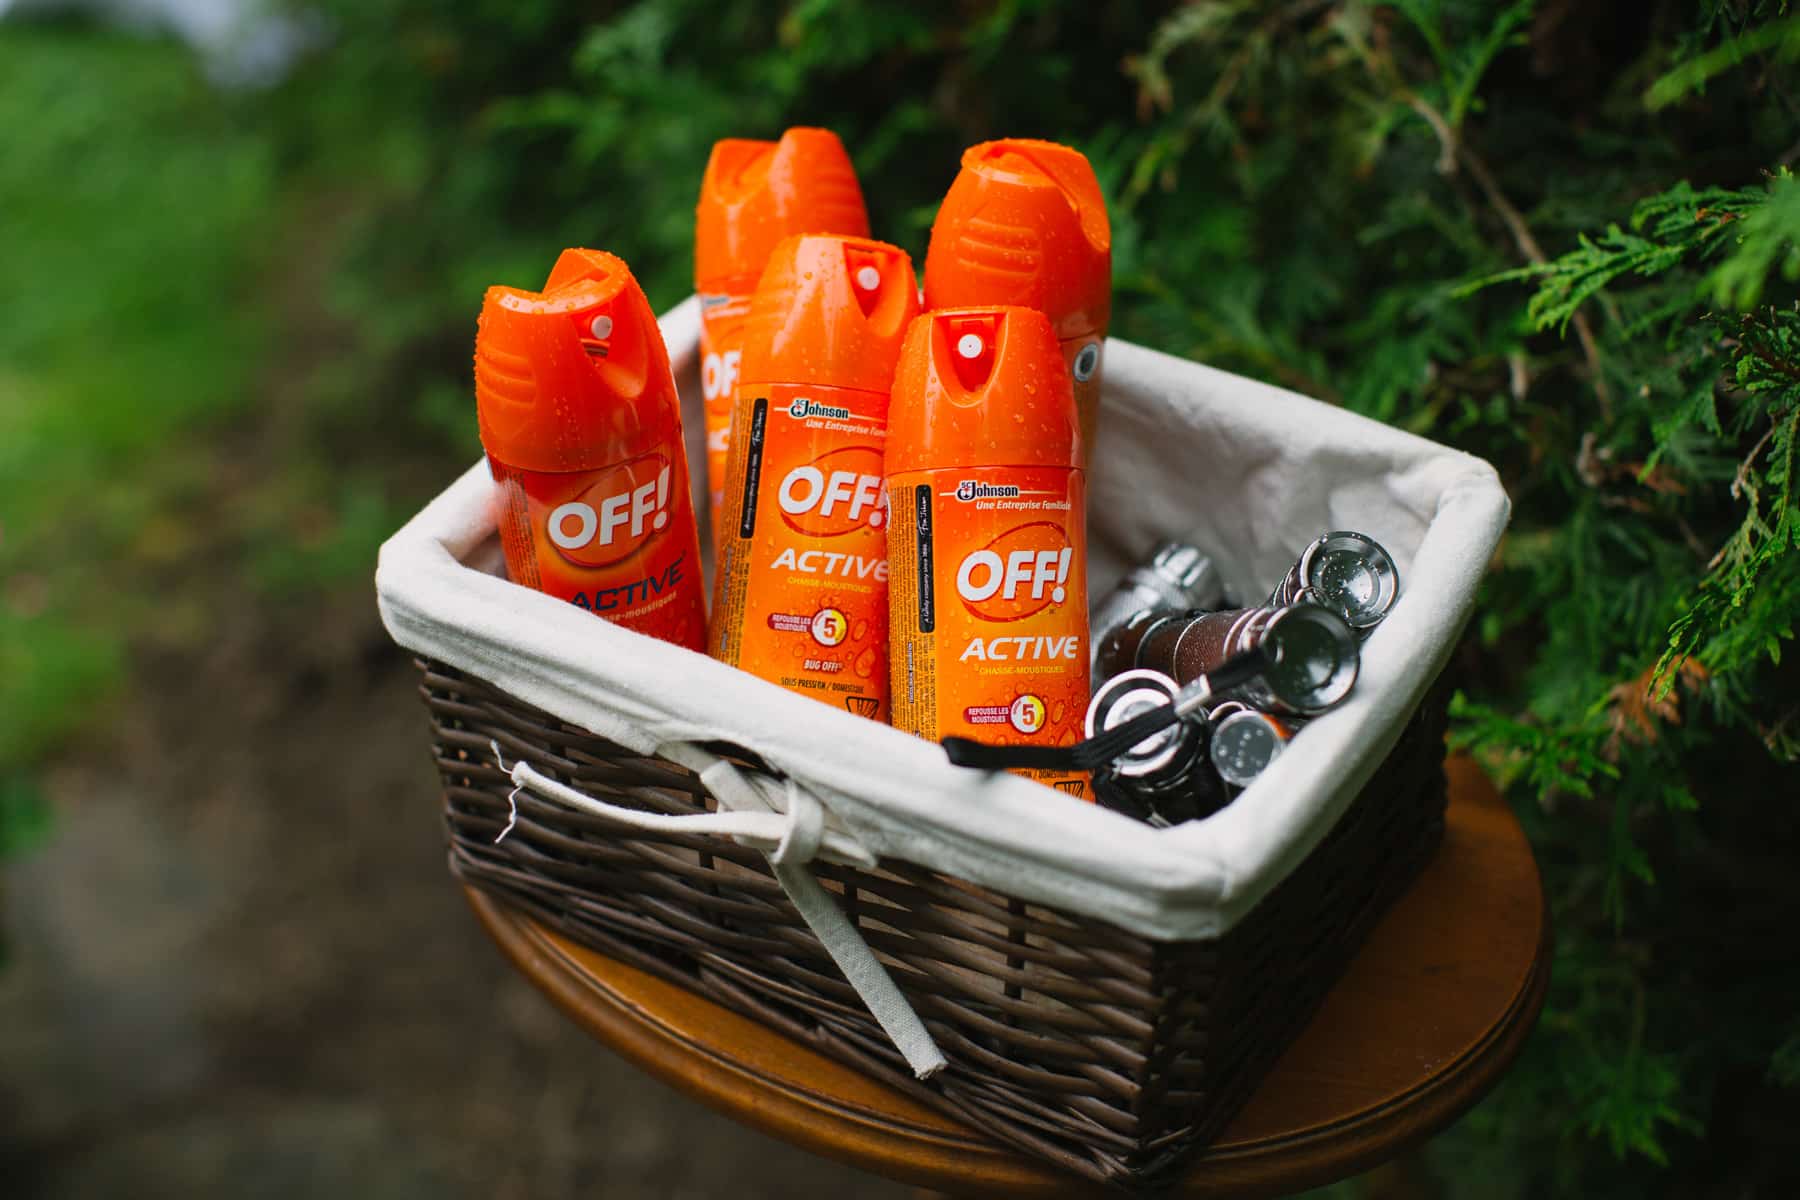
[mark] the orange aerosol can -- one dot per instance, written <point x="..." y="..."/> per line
<point x="1025" y="223"/>
<point x="753" y="195"/>
<point x="987" y="548"/>
<point x="800" y="596"/>
<point x="582" y="428"/>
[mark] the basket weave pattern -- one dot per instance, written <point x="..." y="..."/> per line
<point x="1107" y="1053"/>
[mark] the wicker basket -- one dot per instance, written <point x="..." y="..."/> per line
<point x="1109" y="1054"/>
<point x="1105" y="995"/>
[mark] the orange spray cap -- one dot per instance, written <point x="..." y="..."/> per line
<point x="578" y="263"/>
<point x="982" y="387"/>
<point x="574" y="377"/>
<point x="754" y="194"/>
<point x="1024" y="223"/>
<point x="830" y="312"/>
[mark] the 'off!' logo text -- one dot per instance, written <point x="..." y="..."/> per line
<point x="718" y="375"/>
<point x="614" y="515"/>
<point x="1019" y="573"/>
<point x="835" y="494"/>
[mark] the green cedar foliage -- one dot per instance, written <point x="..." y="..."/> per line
<point x="1560" y="234"/>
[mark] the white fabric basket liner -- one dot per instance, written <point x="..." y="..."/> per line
<point x="1249" y="472"/>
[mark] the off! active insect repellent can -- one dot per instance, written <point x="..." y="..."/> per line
<point x="753" y="195"/>
<point x="987" y="549"/>
<point x="1025" y="223"/>
<point x="800" y="597"/>
<point x="582" y="428"/>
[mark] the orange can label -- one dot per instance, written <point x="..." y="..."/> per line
<point x="988" y="605"/>
<point x="803" y="571"/>
<point x="619" y="542"/>
<point x="721" y="349"/>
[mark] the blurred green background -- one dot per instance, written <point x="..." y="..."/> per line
<point x="243" y="270"/>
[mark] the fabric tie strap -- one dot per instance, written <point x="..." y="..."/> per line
<point x="791" y="835"/>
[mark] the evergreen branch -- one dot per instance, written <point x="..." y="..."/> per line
<point x="1197" y="25"/>
<point x="1462" y="66"/>
<point x="1676" y="227"/>
<point x="1742" y="482"/>
<point x="1454" y="150"/>
<point x="1767" y="237"/>
<point x="1779" y="366"/>
<point x="1767" y="347"/>
<point x="1781" y="38"/>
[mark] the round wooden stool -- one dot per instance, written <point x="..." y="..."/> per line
<point x="1428" y="1016"/>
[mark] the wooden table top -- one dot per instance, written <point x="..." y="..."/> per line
<point x="1429" y="1015"/>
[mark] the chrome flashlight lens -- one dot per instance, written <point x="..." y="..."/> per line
<point x="1243" y="745"/>
<point x="1313" y="657"/>
<point x="1351" y="574"/>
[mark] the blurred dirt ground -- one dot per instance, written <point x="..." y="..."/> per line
<point x="240" y="968"/>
